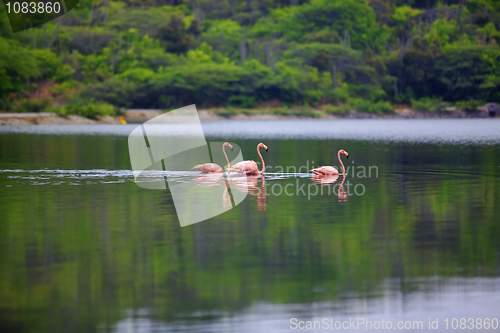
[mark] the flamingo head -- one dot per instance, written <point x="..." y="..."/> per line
<point x="261" y="145"/>
<point x="227" y="144"/>
<point x="342" y="151"/>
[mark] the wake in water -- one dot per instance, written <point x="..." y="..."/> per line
<point x="102" y="176"/>
<point x="71" y="177"/>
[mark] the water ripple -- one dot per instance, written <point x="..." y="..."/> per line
<point x="103" y="176"/>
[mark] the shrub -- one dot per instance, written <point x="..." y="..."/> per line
<point x="91" y="110"/>
<point x="307" y="113"/>
<point x="116" y="91"/>
<point x="32" y="105"/>
<point x="60" y="110"/>
<point x="242" y="101"/>
<point x="427" y="104"/>
<point x="227" y="112"/>
<point x="296" y="112"/>
<point x="312" y="97"/>
<point x="252" y="111"/>
<point x="64" y="87"/>
<point x="336" y="109"/>
<point x="363" y="105"/>
<point x="470" y="105"/>
<point x="339" y="94"/>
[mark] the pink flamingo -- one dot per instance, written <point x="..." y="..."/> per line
<point x="329" y="170"/>
<point x="250" y="167"/>
<point x="212" y="167"/>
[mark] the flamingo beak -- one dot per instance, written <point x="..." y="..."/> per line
<point x="266" y="149"/>
<point x="231" y="148"/>
<point x="347" y="156"/>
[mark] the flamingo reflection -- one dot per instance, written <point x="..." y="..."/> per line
<point x="330" y="179"/>
<point x="250" y="185"/>
<point x="324" y="179"/>
<point x="227" y="198"/>
<point x="262" y="196"/>
<point x="341" y="192"/>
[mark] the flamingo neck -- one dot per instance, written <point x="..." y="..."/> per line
<point x="341" y="164"/>
<point x="227" y="159"/>
<point x="263" y="163"/>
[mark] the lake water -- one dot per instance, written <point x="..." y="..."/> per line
<point x="413" y="234"/>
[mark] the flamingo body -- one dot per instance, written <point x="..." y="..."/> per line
<point x="324" y="179"/>
<point x="208" y="168"/>
<point x="246" y="167"/>
<point x="250" y="167"/>
<point x="329" y="170"/>
<point x="325" y="170"/>
<point x="212" y="167"/>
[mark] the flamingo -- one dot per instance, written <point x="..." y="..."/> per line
<point x="250" y="167"/>
<point x="329" y="170"/>
<point x="212" y="167"/>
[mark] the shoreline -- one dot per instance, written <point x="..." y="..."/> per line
<point x="19" y="119"/>
<point x="140" y="116"/>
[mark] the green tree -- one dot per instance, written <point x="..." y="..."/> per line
<point x="175" y="35"/>
<point x="354" y="16"/>
<point x="464" y="72"/>
<point x="17" y="65"/>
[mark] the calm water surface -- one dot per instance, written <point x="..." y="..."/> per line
<point x="84" y="249"/>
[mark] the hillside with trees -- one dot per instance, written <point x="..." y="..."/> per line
<point x="367" y="55"/>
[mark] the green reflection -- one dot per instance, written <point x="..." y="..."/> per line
<point x="76" y="258"/>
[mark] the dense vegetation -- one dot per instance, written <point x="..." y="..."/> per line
<point x="339" y="54"/>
